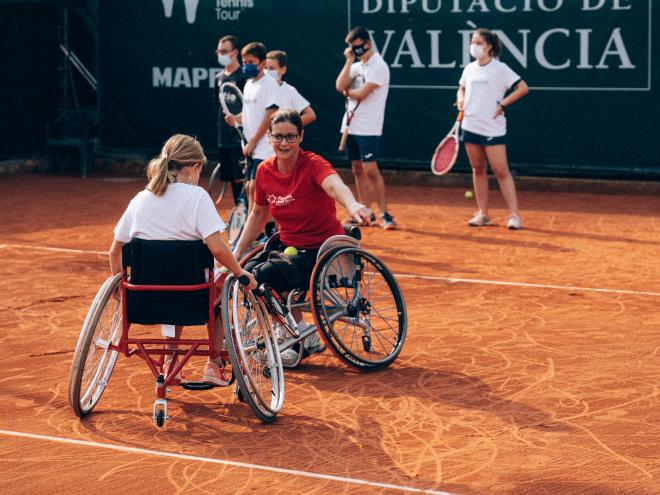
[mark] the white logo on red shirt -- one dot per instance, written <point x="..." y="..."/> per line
<point x="280" y="200"/>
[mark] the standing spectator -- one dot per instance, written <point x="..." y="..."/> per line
<point x="260" y="102"/>
<point x="276" y="67"/>
<point x="229" y="143"/>
<point x="481" y="98"/>
<point x="366" y="81"/>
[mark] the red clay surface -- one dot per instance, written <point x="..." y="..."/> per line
<point x="500" y="389"/>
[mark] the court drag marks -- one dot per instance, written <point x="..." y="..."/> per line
<point x="501" y="389"/>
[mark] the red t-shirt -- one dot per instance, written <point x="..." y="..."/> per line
<point x="306" y="214"/>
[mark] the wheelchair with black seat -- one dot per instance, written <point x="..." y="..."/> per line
<point x="167" y="283"/>
<point x="353" y="297"/>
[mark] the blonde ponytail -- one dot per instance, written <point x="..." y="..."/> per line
<point x="178" y="151"/>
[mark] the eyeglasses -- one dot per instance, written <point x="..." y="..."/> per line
<point x="290" y="138"/>
<point x="224" y="52"/>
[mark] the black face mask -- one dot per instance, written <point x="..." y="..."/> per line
<point x="359" y="50"/>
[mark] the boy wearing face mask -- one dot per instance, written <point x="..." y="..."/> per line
<point x="229" y="143"/>
<point x="488" y="86"/>
<point x="261" y="99"/>
<point x="276" y="67"/>
<point x="366" y="81"/>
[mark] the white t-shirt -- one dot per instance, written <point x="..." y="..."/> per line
<point x="484" y="87"/>
<point x="183" y="212"/>
<point x="369" y="117"/>
<point x="290" y="98"/>
<point x="258" y="96"/>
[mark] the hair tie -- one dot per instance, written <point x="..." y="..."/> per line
<point x="165" y="157"/>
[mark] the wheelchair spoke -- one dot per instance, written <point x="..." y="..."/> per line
<point x="361" y="310"/>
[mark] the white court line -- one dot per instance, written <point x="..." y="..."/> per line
<point x="211" y="460"/>
<point x="524" y="284"/>
<point x="405" y="275"/>
<point x="54" y="249"/>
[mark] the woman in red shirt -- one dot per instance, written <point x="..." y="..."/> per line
<point x="299" y="189"/>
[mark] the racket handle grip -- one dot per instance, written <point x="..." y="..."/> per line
<point x="342" y="141"/>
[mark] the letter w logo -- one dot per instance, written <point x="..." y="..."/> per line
<point x="190" y="6"/>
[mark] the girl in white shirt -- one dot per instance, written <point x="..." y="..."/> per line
<point x="173" y="207"/>
<point x="481" y="98"/>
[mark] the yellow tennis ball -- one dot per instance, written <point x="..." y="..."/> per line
<point x="291" y="251"/>
<point x="468" y="194"/>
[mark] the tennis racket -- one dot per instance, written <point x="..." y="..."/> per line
<point x="447" y="151"/>
<point x="231" y="101"/>
<point x="217" y="187"/>
<point x="350" y="113"/>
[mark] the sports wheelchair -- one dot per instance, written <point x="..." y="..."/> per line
<point x="173" y="283"/>
<point x="354" y="299"/>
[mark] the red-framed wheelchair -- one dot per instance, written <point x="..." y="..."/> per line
<point x="172" y="283"/>
<point x="354" y="300"/>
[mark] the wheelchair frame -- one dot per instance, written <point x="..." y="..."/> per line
<point x="357" y="312"/>
<point x="83" y="401"/>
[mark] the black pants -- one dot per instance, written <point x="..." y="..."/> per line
<point x="284" y="273"/>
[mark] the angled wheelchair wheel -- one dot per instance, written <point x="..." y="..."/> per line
<point x="359" y="308"/>
<point x="93" y="360"/>
<point x="253" y="351"/>
<point x="216" y="187"/>
<point x="236" y="222"/>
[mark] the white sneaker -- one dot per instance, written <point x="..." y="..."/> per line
<point x="480" y="220"/>
<point x="514" y="223"/>
<point x="290" y="358"/>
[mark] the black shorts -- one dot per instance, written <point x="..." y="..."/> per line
<point x="280" y="276"/>
<point x="231" y="164"/>
<point x="363" y="148"/>
<point x="471" y="137"/>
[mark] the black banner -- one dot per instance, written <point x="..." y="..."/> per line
<point x="589" y="65"/>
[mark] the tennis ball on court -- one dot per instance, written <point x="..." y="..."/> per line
<point x="291" y="252"/>
<point x="468" y="194"/>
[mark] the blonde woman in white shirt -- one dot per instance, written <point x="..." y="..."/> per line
<point x="174" y="207"/>
<point x="482" y="97"/>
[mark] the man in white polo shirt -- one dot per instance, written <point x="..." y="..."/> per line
<point x="367" y="82"/>
<point x="261" y="99"/>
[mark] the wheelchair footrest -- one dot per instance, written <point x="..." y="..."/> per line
<point x="197" y="386"/>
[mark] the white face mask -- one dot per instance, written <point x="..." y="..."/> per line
<point x="477" y="51"/>
<point x="272" y="73"/>
<point x="224" y="60"/>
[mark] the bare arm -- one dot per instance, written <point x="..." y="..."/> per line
<point x="460" y="98"/>
<point x="520" y="90"/>
<point x="223" y="254"/>
<point x="361" y="93"/>
<point x="115" y="257"/>
<point x="263" y="127"/>
<point x="335" y="187"/>
<point x="253" y="226"/>
<point x="344" y="78"/>
<point x="307" y="115"/>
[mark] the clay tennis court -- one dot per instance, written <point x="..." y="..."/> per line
<point x="532" y="363"/>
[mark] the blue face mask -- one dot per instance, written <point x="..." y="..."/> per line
<point x="250" y="70"/>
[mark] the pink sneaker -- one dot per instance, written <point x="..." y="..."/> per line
<point x="178" y="379"/>
<point x="215" y="374"/>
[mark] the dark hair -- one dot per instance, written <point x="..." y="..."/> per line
<point x="232" y="39"/>
<point x="286" y="115"/>
<point x="256" y="49"/>
<point x="278" y="55"/>
<point x="358" y="33"/>
<point x="492" y="39"/>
